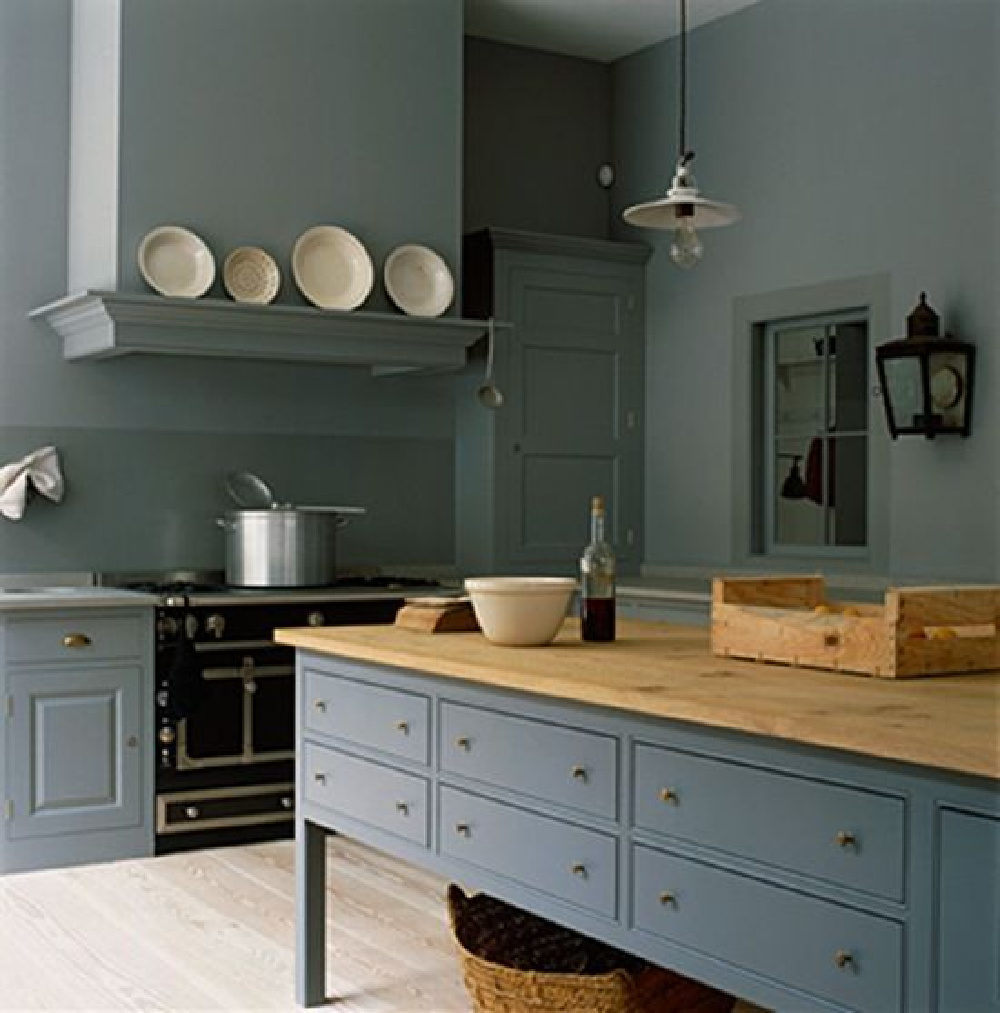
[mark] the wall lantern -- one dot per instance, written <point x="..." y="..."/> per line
<point x="926" y="379"/>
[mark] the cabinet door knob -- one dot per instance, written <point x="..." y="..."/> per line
<point x="464" y="742"/>
<point x="846" y="839"/>
<point x="286" y="802"/>
<point x="464" y="829"/>
<point x="580" y="773"/>
<point x="843" y="958"/>
<point x="402" y="808"/>
<point x="668" y="899"/>
<point x="132" y="741"/>
<point x="669" y="795"/>
<point x="320" y="705"/>
<point x="579" y="869"/>
<point x="403" y="726"/>
<point x="76" y="640"/>
<point x="192" y="812"/>
<point x="319" y="777"/>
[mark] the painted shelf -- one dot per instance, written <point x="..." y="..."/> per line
<point x="102" y="325"/>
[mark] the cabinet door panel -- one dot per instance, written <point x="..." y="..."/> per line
<point x="74" y="751"/>
<point x="969" y="932"/>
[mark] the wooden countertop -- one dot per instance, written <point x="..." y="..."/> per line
<point x="664" y="670"/>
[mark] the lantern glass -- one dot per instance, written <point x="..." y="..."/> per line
<point x="905" y="391"/>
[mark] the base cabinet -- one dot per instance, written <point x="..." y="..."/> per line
<point x="968" y="937"/>
<point x="77" y="772"/>
<point x="569" y="363"/>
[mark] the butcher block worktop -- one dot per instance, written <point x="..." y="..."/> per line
<point x="664" y="670"/>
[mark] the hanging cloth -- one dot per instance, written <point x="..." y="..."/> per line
<point x="815" y="472"/>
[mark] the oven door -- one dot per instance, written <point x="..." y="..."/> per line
<point x="246" y="713"/>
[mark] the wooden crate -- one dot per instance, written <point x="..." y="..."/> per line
<point x="917" y="631"/>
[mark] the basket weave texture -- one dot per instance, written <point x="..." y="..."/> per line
<point x="516" y="962"/>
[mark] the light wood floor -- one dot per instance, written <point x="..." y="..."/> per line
<point x="212" y="930"/>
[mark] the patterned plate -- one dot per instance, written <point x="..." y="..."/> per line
<point x="251" y="275"/>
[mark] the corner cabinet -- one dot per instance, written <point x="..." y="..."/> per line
<point x="76" y="767"/>
<point x="570" y="368"/>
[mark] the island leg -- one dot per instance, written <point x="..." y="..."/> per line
<point x="310" y="913"/>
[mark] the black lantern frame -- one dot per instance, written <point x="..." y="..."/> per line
<point x="926" y="380"/>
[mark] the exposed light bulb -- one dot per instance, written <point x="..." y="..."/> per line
<point x="686" y="249"/>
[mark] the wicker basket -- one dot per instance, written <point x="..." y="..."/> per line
<point x="516" y="962"/>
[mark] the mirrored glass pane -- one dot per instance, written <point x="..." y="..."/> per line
<point x="798" y="382"/>
<point x="905" y="391"/>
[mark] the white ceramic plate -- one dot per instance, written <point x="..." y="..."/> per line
<point x="176" y="262"/>
<point x="418" y="281"/>
<point x="332" y="268"/>
<point x="251" y="275"/>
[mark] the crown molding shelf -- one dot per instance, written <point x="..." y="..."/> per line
<point x="102" y="325"/>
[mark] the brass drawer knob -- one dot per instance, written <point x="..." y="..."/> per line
<point x="580" y="773"/>
<point x="319" y="777"/>
<point x="402" y="808"/>
<point x="403" y="726"/>
<point x="843" y="958"/>
<point x="286" y="802"/>
<point x="669" y="795"/>
<point x="76" y="640"/>
<point x="192" y="812"/>
<point x="320" y="705"/>
<point x="464" y="829"/>
<point x="846" y="839"/>
<point x="667" y="899"/>
<point x="579" y="869"/>
<point x="464" y="742"/>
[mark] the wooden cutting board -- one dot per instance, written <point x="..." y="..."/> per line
<point x="437" y="615"/>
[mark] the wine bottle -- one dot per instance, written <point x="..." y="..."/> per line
<point x="597" y="580"/>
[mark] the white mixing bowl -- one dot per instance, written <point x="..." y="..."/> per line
<point x="520" y="611"/>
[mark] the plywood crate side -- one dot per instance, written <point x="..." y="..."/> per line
<point x="939" y="606"/>
<point x="788" y="592"/>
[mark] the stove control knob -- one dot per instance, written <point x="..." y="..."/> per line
<point x="215" y="624"/>
<point x="166" y="627"/>
<point x="162" y="698"/>
<point x="191" y="626"/>
<point x="316" y="619"/>
<point x="167" y="734"/>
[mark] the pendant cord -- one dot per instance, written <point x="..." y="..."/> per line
<point x="683" y="153"/>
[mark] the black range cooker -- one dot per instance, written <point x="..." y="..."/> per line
<point x="225" y="697"/>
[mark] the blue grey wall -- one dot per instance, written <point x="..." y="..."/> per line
<point x="248" y="122"/>
<point x="537" y="127"/>
<point x="858" y="137"/>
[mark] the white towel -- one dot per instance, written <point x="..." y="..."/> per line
<point x="40" y="469"/>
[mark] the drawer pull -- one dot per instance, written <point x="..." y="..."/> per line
<point x="580" y="773"/>
<point x="286" y="803"/>
<point x="668" y="899"/>
<point x="76" y="640"/>
<point x="403" y="726"/>
<point x="579" y="869"/>
<point x="464" y="829"/>
<point x="319" y="777"/>
<point x="464" y="742"/>
<point x="846" y="839"/>
<point x="402" y="808"/>
<point x="320" y="705"/>
<point x="669" y="795"/>
<point x="192" y="812"/>
<point x="843" y="958"/>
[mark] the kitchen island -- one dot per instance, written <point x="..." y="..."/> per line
<point x="803" y="839"/>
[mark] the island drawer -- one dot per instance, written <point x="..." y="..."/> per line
<point x="569" y="766"/>
<point x="392" y="721"/>
<point x="845" y="836"/>
<point x="837" y="954"/>
<point x="387" y="799"/>
<point x="75" y="636"/>
<point x="574" y="864"/>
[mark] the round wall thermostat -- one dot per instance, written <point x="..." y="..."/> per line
<point x="606" y="175"/>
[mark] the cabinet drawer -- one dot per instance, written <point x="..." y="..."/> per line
<point x="216" y="808"/>
<point x="844" y="836"/>
<point x="834" y="953"/>
<point x="76" y="637"/>
<point x="574" y="864"/>
<point x="548" y="761"/>
<point x="390" y="720"/>
<point x="384" y="798"/>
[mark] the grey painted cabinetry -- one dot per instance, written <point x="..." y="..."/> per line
<point x="570" y="367"/>
<point x="798" y="878"/>
<point x="76" y="758"/>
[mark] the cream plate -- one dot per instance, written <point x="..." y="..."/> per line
<point x="176" y="262"/>
<point x="418" y="281"/>
<point x="251" y="275"/>
<point x="332" y="268"/>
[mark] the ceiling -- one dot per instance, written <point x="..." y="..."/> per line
<point x="603" y="30"/>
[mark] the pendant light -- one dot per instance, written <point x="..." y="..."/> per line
<point x="683" y="209"/>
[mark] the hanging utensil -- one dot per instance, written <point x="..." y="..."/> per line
<point x="489" y="395"/>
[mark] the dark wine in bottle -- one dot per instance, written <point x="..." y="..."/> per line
<point x="597" y="581"/>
